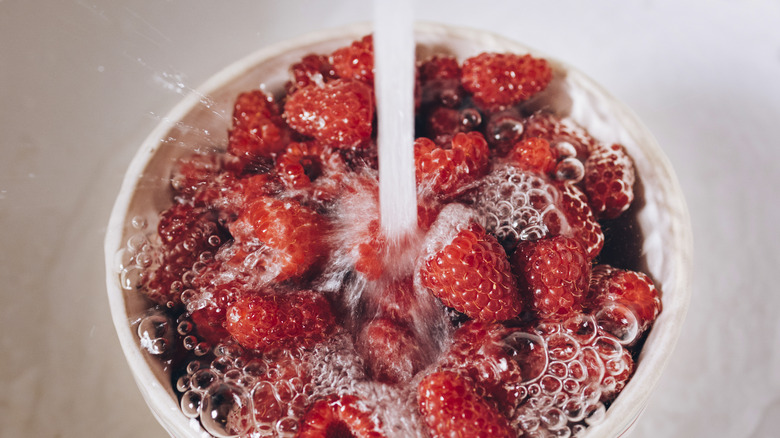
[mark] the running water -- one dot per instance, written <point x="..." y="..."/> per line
<point x="394" y="64"/>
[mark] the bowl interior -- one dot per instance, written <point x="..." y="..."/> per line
<point x="201" y="122"/>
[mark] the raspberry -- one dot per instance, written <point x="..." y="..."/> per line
<point x="312" y="69"/>
<point x="185" y="232"/>
<point x="533" y="154"/>
<point x="451" y="407"/>
<point x="439" y="81"/>
<point x="355" y="61"/>
<point x="340" y="416"/>
<point x="503" y="130"/>
<point x="280" y="396"/>
<point x="303" y="163"/>
<point x="258" y="129"/>
<point x="338" y="114"/>
<point x="479" y="353"/>
<point x="609" y="181"/>
<point x="585" y="369"/>
<point x="472" y="275"/>
<point x="391" y="351"/>
<point x="553" y="275"/>
<point x="371" y="252"/>
<point x="634" y="290"/>
<point x="289" y="320"/>
<point x="443" y="123"/>
<point x="194" y="172"/>
<point x="582" y="223"/>
<point x="498" y="80"/>
<point x="449" y="171"/>
<point x="557" y="130"/>
<point x="516" y="205"/>
<point x="284" y="234"/>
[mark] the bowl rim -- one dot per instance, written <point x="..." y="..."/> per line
<point x="161" y="399"/>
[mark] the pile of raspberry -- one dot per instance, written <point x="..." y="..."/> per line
<point x="499" y="317"/>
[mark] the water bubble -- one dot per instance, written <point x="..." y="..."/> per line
<point x="529" y="351"/>
<point x="550" y="385"/>
<point x="137" y="242"/>
<point x="202" y="379"/>
<point x="183" y="383"/>
<point x="221" y="365"/>
<point x="131" y="278"/>
<point x="470" y="118"/>
<point x="155" y="333"/>
<point x="607" y="347"/>
<point x="619" y="321"/>
<point x="190" y="342"/>
<point x="570" y="169"/>
<point x="214" y="241"/>
<point x="190" y="404"/>
<point x="564" y="149"/>
<point x="553" y="419"/>
<point x="201" y="349"/>
<point x="193" y="366"/>
<point x="581" y="328"/>
<point x="562" y="347"/>
<point x="595" y="414"/>
<point x="138" y="222"/>
<point x="184" y="327"/>
<point x="226" y="411"/>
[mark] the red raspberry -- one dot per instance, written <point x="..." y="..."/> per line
<point x="338" y="114"/>
<point x="533" y="154"/>
<point x="516" y="205"/>
<point x="585" y="368"/>
<point x="280" y="320"/>
<point x="355" y="61"/>
<point x="312" y="69"/>
<point x="634" y="290"/>
<point x="280" y="396"/>
<point x="391" y="351"/>
<point x="303" y="163"/>
<point x="340" y="416"/>
<point x="609" y="181"/>
<point x="553" y="275"/>
<point x="371" y="252"/>
<point x="185" y="232"/>
<point x="194" y="172"/>
<point x="258" y="129"/>
<point x="439" y="81"/>
<point x="448" y="171"/>
<point x="582" y="223"/>
<point x="472" y="275"/>
<point x="287" y="235"/>
<point x="444" y="123"/>
<point x="478" y="351"/>
<point x="499" y="80"/>
<point x="451" y="407"/>
<point x="559" y="130"/>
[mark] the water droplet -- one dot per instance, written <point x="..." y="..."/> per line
<point x="470" y="118"/>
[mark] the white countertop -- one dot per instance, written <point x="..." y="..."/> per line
<point x="84" y="81"/>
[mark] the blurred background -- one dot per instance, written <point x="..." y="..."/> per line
<point x="82" y="83"/>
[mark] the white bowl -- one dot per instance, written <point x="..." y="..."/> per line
<point x="201" y="120"/>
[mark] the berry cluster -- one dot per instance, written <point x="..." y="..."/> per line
<point x="497" y="317"/>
